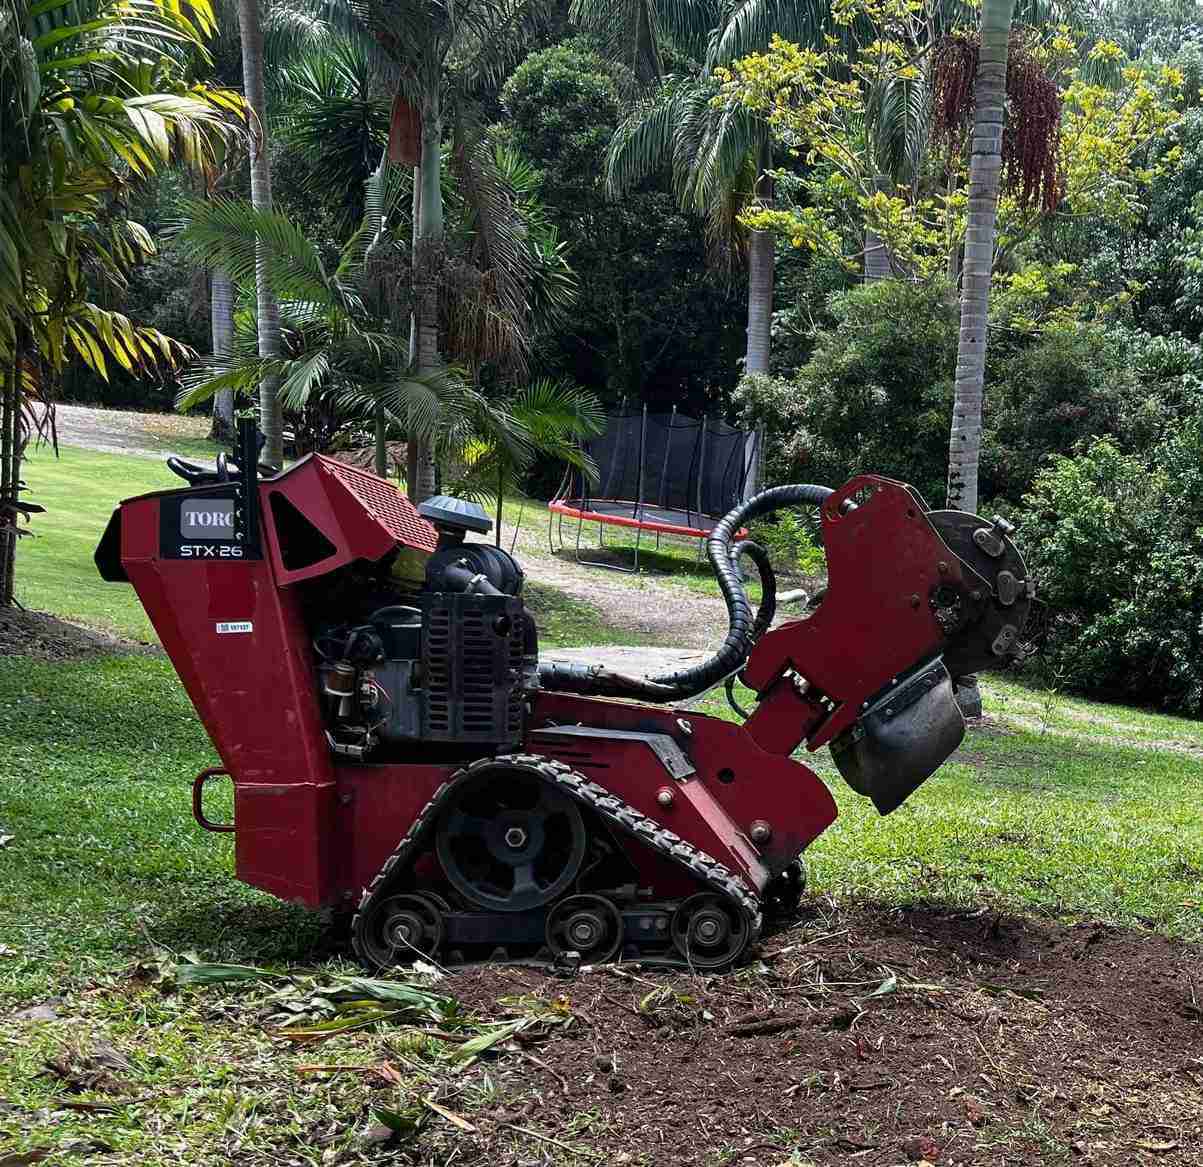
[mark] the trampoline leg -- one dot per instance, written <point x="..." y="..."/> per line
<point x="601" y="542"/>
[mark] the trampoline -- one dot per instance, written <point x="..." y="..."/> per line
<point x="665" y="474"/>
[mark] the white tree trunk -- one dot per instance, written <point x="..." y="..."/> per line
<point x="221" y="324"/>
<point x="428" y="261"/>
<point x="985" y="165"/>
<point x="761" y="257"/>
<point x="268" y="312"/>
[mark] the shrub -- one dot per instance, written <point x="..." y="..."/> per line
<point x="789" y="540"/>
<point x="876" y="394"/>
<point x="1115" y="542"/>
<point x="1068" y="385"/>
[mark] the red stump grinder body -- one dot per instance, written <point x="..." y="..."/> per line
<point x="371" y="682"/>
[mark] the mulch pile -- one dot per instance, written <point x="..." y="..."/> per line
<point x="868" y="1035"/>
<point x="44" y="637"/>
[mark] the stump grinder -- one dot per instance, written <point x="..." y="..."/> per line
<point x="371" y="681"/>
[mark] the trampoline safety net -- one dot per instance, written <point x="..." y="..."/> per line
<point x="664" y="469"/>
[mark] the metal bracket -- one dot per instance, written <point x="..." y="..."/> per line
<point x="1003" y="641"/>
<point x="667" y="751"/>
<point x="1009" y="588"/>
<point x="198" y="798"/>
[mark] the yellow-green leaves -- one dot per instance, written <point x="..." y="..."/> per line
<point x="842" y="110"/>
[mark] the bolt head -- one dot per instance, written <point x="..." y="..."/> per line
<point x="665" y="797"/>
<point x="515" y="837"/>
<point x="760" y="831"/>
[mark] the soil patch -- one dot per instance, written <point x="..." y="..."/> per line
<point x="45" y="637"/>
<point x="869" y="1035"/>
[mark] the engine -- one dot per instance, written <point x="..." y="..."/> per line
<point x="447" y="661"/>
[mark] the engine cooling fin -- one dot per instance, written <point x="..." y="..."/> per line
<point x="395" y="920"/>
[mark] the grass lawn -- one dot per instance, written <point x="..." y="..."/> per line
<point x="1056" y="807"/>
<point x="55" y="572"/>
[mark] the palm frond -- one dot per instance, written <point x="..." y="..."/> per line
<point x="751" y="24"/>
<point x="226" y="233"/>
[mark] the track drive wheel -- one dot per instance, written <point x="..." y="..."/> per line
<point x="401" y="928"/>
<point x="709" y="931"/>
<point x="511" y="842"/>
<point x="585" y="924"/>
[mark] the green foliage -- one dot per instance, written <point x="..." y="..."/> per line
<point x="336" y="116"/>
<point x="874" y="395"/>
<point x="790" y="541"/>
<point x="656" y="325"/>
<point x="1116" y="543"/>
<point x="561" y="105"/>
<point x="1046" y="396"/>
<point x="1051" y="393"/>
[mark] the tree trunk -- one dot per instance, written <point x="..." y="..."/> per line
<point x="762" y="255"/>
<point x="10" y="472"/>
<point x="877" y="258"/>
<point x="965" y="439"/>
<point x="271" y="420"/>
<point x="221" y="323"/>
<point x="428" y="264"/>
<point x="878" y="265"/>
<point x="381" y="434"/>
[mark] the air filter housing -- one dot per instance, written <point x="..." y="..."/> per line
<point x="455" y="516"/>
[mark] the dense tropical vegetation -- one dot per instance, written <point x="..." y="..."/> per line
<point x="464" y="230"/>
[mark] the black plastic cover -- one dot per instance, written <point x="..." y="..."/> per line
<point x="107" y="555"/>
<point x="445" y="511"/>
<point x="904" y="737"/>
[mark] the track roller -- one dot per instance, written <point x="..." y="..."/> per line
<point x="585" y="924"/>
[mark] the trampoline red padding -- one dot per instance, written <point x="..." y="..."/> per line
<point x="620" y="513"/>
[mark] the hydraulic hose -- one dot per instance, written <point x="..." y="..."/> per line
<point x="768" y="584"/>
<point x="743" y="629"/>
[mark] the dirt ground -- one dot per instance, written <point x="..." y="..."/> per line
<point x="119" y="431"/>
<point x="874" y="1036"/>
<point x="45" y="637"/>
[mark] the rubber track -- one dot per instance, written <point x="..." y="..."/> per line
<point x="612" y="810"/>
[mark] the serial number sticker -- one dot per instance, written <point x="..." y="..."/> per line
<point x="235" y="626"/>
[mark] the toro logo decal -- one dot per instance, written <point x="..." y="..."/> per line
<point x="211" y="518"/>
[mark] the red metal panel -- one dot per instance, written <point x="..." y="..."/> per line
<point x="376" y="807"/>
<point x="254" y="693"/>
<point x="385" y="503"/>
<point x="884" y="562"/>
<point x="737" y="781"/>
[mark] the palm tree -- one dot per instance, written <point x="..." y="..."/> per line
<point x="270" y="411"/>
<point x="505" y="279"/>
<point x="221" y="331"/>
<point x="93" y="97"/>
<point x="985" y="165"/>
<point x="443" y="51"/>
<point x="547" y="417"/>
<point x="719" y="158"/>
<point x="333" y="110"/>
